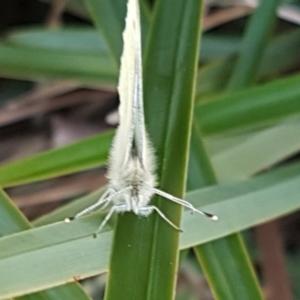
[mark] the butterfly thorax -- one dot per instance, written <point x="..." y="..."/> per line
<point x="133" y="174"/>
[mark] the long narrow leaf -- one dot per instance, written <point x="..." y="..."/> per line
<point x="212" y="78"/>
<point x="228" y="156"/>
<point x="54" y="46"/>
<point x="225" y="261"/>
<point x="275" y="194"/>
<point x="232" y="156"/>
<point x="251" y="107"/>
<point x="227" y="153"/>
<point x="36" y="63"/>
<point x="253" y="45"/>
<point x="12" y="221"/>
<point x="89" y="153"/>
<point x="109" y="17"/>
<point x="153" y="252"/>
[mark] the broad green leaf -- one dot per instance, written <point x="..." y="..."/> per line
<point x="236" y="204"/>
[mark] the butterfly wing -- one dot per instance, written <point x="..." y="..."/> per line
<point x="131" y="132"/>
<point x="123" y="141"/>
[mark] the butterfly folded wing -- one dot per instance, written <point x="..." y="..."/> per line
<point x="131" y="141"/>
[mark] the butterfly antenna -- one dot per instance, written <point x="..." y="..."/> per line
<point x="208" y="215"/>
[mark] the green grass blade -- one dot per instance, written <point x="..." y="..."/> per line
<point x="228" y="269"/>
<point x="230" y="163"/>
<point x="90" y="49"/>
<point x="109" y="19"/>
<point x="11" y="218"/>
<point x="212" y="78"/>
<point x="228" y="160"/>
<point x="149" y="270"/>
<point x="275" y="194"/>
<point x="12" y="221"/>
<point x="70" y="39"/>
<point x="224" y="261"/>
<point x="77" y="7"/>
<point x="274" y="59"/>
<point x="69" y="291"/>
<point x="228" y="157"/>
<point x="231" y="111"/>
<point x="47" y="275"/>
<point x="70" y="209"/>
<point x="200" y="171"/>
<point x="253" y="44"/>
<point x="90" y="153"/>
<point x="251" y="107"/>
<point x="36" y="63"/>
<point x="54" y="260"/>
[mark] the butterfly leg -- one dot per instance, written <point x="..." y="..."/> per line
<point x="108" y="216"/>
<point x="183" y="203"/>
<point x="148" y="209"/>
<point x="104" y="198"/>
<point x="106" y="203"/>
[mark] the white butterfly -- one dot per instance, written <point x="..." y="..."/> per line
<point x="131" y="173"/>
